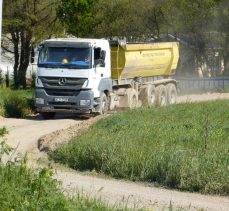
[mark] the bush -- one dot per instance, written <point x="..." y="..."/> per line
<point x="182" y="146"/>
<point x="16" y="104"/>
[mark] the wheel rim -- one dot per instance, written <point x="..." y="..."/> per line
<point x="134" y="101"/>
<point x="173" y="97"/>
<point x="163" y="98"/>
<point x="104" y="105"/>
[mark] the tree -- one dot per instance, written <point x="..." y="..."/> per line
<point x="77" y="16"/>
<point x="222" y="26"/>
<point x="128" y="18"/>
<point x="25" y="22"/>
<point x="119" y="18"/>
<point x="193" y="19"/>
<point x="111" y="18"/>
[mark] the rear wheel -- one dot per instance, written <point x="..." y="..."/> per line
<point x="132" y="98"/>
<point x="161" y="95"/>
<point x="48" y="115"/>
<point x="148" y="95"/>
<point x="171" y="93"/>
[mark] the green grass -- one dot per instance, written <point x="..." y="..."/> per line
<point x="184" y="146"/>
<point x="16" y="103"/>
<point x="24" y="189"/>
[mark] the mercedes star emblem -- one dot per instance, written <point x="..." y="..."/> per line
<point x="62" y="81"/>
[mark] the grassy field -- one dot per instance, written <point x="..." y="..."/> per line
<point x="184" y="146"/>
<point x="16" y="103"/>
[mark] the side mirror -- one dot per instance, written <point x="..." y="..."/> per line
<point x="99" y="57"/>
<point x="102" y="58"/>
<point x="103" y="55"/>
<point x="32" y="54"/>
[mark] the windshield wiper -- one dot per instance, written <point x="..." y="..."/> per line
<point x="64" y="66"/>
<point x="49" y="65"/>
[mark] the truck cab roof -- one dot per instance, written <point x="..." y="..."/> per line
<point x="75" y="42"/>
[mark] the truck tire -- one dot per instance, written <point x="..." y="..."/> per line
<point x="103" y="104"/>
<point x="171" y="93"/>
<point x="148" y="95"/>
<point x="132" y="98"/>
<point x="48" y="115"/>
<point x="161" y="95"/>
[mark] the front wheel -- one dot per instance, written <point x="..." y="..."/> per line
<point x="103" y="104"/>
<point x="132" y="98"/>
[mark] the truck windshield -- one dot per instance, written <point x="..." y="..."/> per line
<point x="65" y="57"/>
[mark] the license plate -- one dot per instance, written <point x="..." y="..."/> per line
<point x="61" y="99"/>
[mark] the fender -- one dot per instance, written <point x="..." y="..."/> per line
<point x="105" y="84"/>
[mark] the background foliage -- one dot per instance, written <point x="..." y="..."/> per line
<point x="201" y="24"/>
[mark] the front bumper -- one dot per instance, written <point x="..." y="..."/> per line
<point x="74" y="104"/>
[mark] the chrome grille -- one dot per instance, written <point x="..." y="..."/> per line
<point x="63" y="82"/>
<point x="60" y="92"/>
<point x="62" y="86"/>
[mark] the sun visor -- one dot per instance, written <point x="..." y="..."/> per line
<point x="72" y="44"/>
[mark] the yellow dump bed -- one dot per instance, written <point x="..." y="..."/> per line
<point x="142" y="60"/>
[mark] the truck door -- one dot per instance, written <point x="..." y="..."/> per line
<point x="102" y="71"/>
<point x="99" y="62"/>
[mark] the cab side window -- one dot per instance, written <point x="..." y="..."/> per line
<point x="98" y="60"/>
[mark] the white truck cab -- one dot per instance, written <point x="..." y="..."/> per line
<point x="72" y="75"/>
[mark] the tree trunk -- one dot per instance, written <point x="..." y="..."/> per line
<point x="15" y="38"/>
<point x="226" y="57"/>
<point x="24" y="59"/>
<point x="226" y="64"/>
<point x="156" y="22"/>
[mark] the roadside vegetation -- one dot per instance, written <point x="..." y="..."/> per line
<point x="26" y="189"/>
<point x="16" y="103"/>
<point x="183" y="146"/>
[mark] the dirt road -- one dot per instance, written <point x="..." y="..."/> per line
<point x="25" y="133"/>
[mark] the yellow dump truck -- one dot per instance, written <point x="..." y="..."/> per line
<point x="97" y="75"/>
<point x="142" y="72"/>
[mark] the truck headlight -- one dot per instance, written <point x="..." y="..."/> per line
<point x="39" y="83"/>
<point x="40" y="101"/>
<point x="85" y="102"/>
<point x="85" y="84"/>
